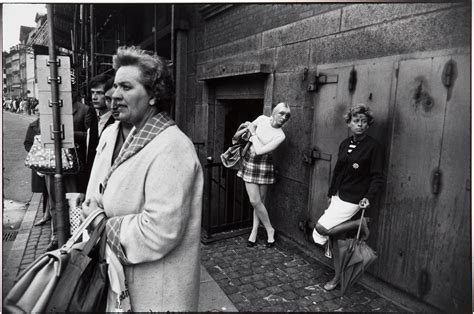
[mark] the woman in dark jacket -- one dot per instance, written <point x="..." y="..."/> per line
<point x="38" y="184"/>
<point x="357" y="178"/>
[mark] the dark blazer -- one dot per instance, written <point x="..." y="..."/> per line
<point x="359" y="174"/>
<point x="84" y="118"/>
<point x="38" y="184"/>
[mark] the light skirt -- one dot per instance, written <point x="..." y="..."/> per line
<point x="338" y="212"/>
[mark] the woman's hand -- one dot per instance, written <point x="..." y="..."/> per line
<point x="364" y="203"/>
<point x="252" y="128"/>
<point x="88" y="207"/>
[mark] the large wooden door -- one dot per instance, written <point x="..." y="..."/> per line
<point x="421" y="228"/>
<point x="373" y="87"/>
<point x="424" y="230"/>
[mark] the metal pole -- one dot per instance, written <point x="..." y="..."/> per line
<point x="61" y="213"/>
<point x="92" y="31"/>
<point x="154" y="27"/>
<point x="173" y="57"/>
<point x="86" y="56"/>
<point x="209" y="197"/>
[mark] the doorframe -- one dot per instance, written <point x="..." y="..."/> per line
<point x="209" y="100"/>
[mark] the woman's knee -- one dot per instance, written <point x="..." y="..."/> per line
<point x="321" y="230"/>
<point x="256" y="202"/>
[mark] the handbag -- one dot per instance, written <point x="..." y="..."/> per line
<point x="84" y="283"/>
<point x="231" y="158"/>
<point x="43" y="159"/>
<point x="35" y="286"/>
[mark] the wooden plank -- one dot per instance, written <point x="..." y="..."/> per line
<point x="450" y="264"/>
<point x="408" y="221"/>
<point x="329" y="129"/>
<point x="373" y="88"/>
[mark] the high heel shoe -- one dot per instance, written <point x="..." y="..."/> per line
<point x="271" y="244"/>
<point x="251" y="244"/>
<point x="42" y="222"/>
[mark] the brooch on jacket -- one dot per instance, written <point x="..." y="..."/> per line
<point x="355" y="165"/>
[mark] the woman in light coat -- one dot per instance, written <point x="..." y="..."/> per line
<point x="152" y="194"/>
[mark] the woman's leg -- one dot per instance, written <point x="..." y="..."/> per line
<point x="351" y="225"/>
<point x="254" y="193"/>
<point x="256" y="220"/>
<point x="336" y="261"/>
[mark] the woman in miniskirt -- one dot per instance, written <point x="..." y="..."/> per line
<point x="257" y="170"/>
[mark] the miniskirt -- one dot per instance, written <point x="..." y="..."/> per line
<point x="257" y="168"/>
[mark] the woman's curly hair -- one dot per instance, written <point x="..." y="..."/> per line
<point x="156" y="73"/>
<point x="359" y="109"/>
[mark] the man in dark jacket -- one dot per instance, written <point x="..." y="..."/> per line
<point x="75" y="185"/>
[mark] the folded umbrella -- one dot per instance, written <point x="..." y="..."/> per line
<point x="355" y="256"/>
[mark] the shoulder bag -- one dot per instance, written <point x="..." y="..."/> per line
<point x="35" y="286"/>
<point x="43" y="159"/>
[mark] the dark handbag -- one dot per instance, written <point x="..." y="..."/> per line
<point x="36" y="284"/>
<point x="43" y="159"/>
<point x="84" y="283"/>
<point x="231" y="158"/>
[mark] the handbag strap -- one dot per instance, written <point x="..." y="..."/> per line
<point x="96" y="235"/>
<point x="360" y="223"/>
<point x="85" y="224"/>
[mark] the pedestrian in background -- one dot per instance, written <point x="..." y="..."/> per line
<point x="357" y="179"/>
<point x="152" y="194"/>
<point x="257" y="170"/>
<point x="110" y="144"/>
<point x="38" y="183"/>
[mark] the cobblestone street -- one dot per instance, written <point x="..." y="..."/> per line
<point x="281" y="279"/>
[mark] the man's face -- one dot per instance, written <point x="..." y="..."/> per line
<point x="108" y="97"/>
<point x="98" y="97"/>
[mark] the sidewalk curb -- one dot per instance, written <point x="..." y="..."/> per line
<point x="211" y="299"/>
<point x="19" y="246"/>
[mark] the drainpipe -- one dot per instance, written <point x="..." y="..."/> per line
<point x="61" y="214"/>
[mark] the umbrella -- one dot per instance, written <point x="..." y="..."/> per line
<point x="355" y="256"/>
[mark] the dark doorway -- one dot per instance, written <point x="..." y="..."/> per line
<point x="229" y="206"/>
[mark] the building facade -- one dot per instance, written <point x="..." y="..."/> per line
<point x="409" y="62"/>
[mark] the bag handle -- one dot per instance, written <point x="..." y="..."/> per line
<point x="96" y="235"/>
<point x="85" y="224"/>
<point x="360" y="223"/>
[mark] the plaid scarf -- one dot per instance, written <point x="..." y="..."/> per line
<point x="136" y="140"/>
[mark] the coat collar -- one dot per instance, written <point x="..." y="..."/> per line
<point x="136" y="140"/>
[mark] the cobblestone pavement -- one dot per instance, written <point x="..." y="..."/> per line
<point x="281" y="279"/>
<point x="277" y="279"/>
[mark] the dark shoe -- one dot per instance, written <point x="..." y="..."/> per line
<point x="251" y="244"/>
<point x="272" y="244"/>
<point x="53" y="245"/>
<point x="42" y="222"/>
